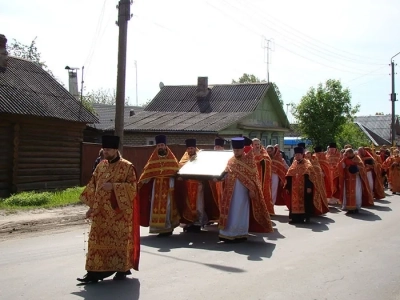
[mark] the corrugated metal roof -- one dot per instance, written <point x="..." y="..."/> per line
<point x="374" y="137"/>
<point x="182" y="121"/>
<point x="221" y="98"/>
<point x="106" y="114"/>
<point x="381" y="125"/>
<point x="26" y="89"/>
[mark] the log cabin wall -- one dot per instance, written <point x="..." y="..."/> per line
<point x="46" y="153"/>
<point x="6" y="151"/>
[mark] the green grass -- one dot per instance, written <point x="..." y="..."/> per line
<point x="30" y="200"/>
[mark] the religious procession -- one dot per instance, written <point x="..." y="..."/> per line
<point x="237" y="190"/>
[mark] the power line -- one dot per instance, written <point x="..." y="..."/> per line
<point x="95" y="36"/>
<point x="326" y="47"/>
<point x="295" y="41"/>
<point x="283" y="47"/>
<point x="369" y="73"/>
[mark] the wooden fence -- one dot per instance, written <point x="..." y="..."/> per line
<point x="138" y="155"/>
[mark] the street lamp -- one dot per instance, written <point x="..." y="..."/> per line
<point x="393" y="99"/>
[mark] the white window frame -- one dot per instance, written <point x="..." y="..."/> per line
<point x="150" y="141"/>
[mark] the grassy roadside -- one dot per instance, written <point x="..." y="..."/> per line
<point x="32" y="200"/>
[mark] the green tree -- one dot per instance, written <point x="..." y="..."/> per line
<point x="103" y="96"/>
<point x="29" y="52"/>
<point x="247" y="78"/>
<point x="250" y="78"/>
<point x="353" y="135"/>
<point x="323" y="111"/>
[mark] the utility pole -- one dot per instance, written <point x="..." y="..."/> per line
<point x="82" y="82"/>
<point x="137" y="99"/>
<point x="124" y="15"/>
<point x="393" y="99"/>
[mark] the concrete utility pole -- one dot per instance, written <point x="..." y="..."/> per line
<point x="393" y="99"/>
<point x="124" y="15"/>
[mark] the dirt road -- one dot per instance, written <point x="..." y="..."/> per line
<point x="14" y="223"/>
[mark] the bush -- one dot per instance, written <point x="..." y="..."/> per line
<point x="28" y="199"/>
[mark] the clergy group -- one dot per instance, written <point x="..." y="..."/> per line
<point x="240" y="201"/>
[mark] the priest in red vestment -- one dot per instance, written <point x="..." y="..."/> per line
<point x="156" y="187"/>
<point x="111" y="194"/>
<point x="354" y="188"/>
<point x="191" y="199"/>
<point x="302" y="188"/>
<point x="216" y="188"/>
<point x="373" y="168"/>
<point x="242" y="207"/>
<point x="326" y="170"/>
<point x="333" y="156"/>
<point x="392" y="163"/>
<point x="278" y="178"/>
<point x="264" y="168"/>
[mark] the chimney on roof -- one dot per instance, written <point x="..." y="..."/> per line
<point x="73" y="81"/>
<point x="131" y="113"/>
<point x="202" y="87"/>
<point x="3" y="53"/>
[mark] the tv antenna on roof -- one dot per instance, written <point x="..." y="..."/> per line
<point x="268" y="44"/>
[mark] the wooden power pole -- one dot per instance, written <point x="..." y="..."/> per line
<point x="393" y="99"/>
<point x="124" y="15"/>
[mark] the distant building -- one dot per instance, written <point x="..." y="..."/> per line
<point x="106" y="116"/>
<point x="206" y="111"/>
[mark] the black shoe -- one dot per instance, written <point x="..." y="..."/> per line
<point x="296" y="220"/>
<point x="393" y="193"/>
<point x="227" y="241"/>
<point x="233" y="241"/>
<point x="165" y="234"/>
<point x="351" y="212"/>
<point x="121" y="275"/>
<point x="89" y="277"/>
<point x="192" y="228"/>
<point x="356" y="211"/>
<point x="242" y="239"/>
<point x="307" y="220"/>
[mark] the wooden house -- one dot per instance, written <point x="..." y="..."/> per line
<point x="41" y="130"/>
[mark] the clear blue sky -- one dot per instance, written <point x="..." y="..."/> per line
<point x="176" y="41"/>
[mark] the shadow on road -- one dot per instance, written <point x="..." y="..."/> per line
<point x="334" y="210"/>
<point x="274" y="236"/>
<point x="380" y="208"/>
<point x="128" y="289"/>
<point x="317" y="224"/>
<point x="383" y="201"/>
<point x="365" y="215"/>
<point x="256" y="248"/>
<point x="281" y="218"/>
